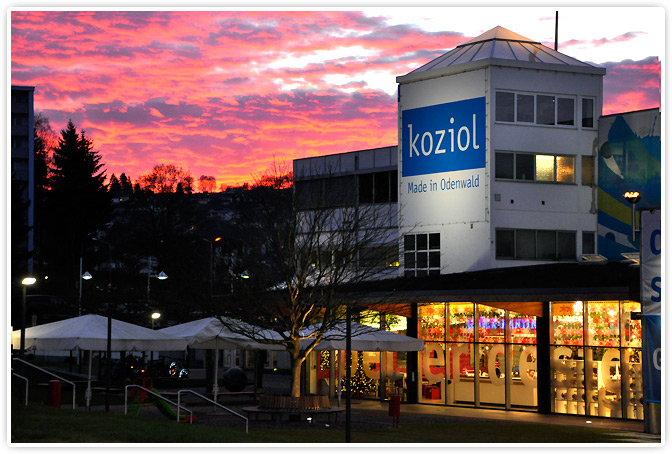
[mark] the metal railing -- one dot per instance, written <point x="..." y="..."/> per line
<point x="52" y="374"/>
<point x="179" y="395"/>
<point x="154" y="395"/>
<point x="24" y="379"/>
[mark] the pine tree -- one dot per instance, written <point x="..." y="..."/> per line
<point x="78" y="203"/>
<point x="126" y="185"/>
<point x="114" y="187"/>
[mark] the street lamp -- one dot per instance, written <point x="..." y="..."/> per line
<point x="161" y="276"/>
<point x="25" y="282"/>
<point x="155" y="316"/>
<point x="633" y="197"/>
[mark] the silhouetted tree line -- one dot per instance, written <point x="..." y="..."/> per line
<point x="123" y="233"/>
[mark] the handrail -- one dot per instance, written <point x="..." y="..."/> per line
<point x="191" y="413"/>
<point x="26" y="380"/>
<point x="52" y="374"/>
<point x="179" y="393"/>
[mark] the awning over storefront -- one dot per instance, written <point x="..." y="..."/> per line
<point x="522" y="289"/>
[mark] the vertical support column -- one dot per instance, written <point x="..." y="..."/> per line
<point x="544" y="360"/>
<point x="508" y="362"/>
<point x="477" y="359"/>
<point x="412" y="369"/>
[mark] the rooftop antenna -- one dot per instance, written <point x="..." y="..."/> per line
<point x="556" y="31"/>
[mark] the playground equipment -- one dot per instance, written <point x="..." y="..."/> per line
<point x="162" y="404"/>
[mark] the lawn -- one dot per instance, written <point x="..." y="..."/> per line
<point x="42" y="424"/>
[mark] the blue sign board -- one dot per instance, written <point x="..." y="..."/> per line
<point x="653" y="357"/>
<point x="443" y="138"/>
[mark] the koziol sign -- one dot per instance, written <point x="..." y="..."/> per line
<point x="443" y="138"/>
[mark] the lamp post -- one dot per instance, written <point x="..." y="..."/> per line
<point x="25" y="282"/>
<point x="161" y="276"/>
<point x="633" y="197"/>
<point x="86" y="276"/>
<point x="108" y="368"/>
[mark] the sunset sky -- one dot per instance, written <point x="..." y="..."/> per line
<point x="224" y="93"/>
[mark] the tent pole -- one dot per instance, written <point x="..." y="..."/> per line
<point x="88" y="389"/>
<point x="215" y="386"/>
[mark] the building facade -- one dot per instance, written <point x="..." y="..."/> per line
<point x="22" y="154"/>
<point x="499" y="190"/>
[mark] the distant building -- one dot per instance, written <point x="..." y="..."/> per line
<point x="22" y="153"/>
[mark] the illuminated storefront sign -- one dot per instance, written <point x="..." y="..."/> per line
<point x="495" y="323"/>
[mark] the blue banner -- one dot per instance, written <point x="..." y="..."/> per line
<point x="653" y="357"/>
<point x="443" y="138"/>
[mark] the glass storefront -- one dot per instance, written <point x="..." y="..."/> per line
<point x="596" y="351"/>
<point x="483" y="356"/>
<point x="374" y="375"/>
<point x="488" y="363"/>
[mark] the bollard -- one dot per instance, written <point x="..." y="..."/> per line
<point x="54" y="393"/>
<point x="395" y="409"/>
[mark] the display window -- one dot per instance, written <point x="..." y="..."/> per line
<point x="603" y="323"/>
<point x="567" y="372"/>
<point x="631" y="329"/>
<point x="432" y="322"/>
<point x="522" y="367"/>
<point x="461" y="322"/>
<point x="491" y="324"/>
<point x="567" y="323"/>
<point x="601" y="376"/>
<point x="492" y="371"/>
<point x="433" y="373"/>
<point x="522" y="328"/>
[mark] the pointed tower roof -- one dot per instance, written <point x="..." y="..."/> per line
<point x="501" y="44"/>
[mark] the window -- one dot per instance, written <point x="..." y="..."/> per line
<point x="587" y="113"/>
<point x="379" y="187"/>
<point x="547" y="110"/>
<point x="534" y="167"/>
<point x="504" y="106"/>
<point x="588" y="242"/>
<point x="422" y="255"/>
<point x="527" y="244"/>
<point x="504" y="165"/>
<point x="381" y="256"/>
<point x="587" y="171"/>
<point x="325" y="192"/>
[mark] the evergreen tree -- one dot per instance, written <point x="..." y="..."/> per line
<point x="126" y="185"/>
<point x="114" y="187"/>
<point x="44" y="140"/>
<point x="78" y="204"/>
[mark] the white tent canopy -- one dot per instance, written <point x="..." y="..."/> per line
<point x="210" y="333"/>
<point x="366" y="339"/>
<point x="89" y="332"/>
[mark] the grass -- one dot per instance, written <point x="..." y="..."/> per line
<point x="39" y="423"/>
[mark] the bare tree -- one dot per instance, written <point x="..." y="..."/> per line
<point x="305" y="243"/>
<point x="167" y="178"/>
<point x="207" y="183"/>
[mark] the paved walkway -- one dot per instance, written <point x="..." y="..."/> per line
<point x="374" y="413"/>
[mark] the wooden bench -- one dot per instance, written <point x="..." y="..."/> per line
<point x="277" y="414"/>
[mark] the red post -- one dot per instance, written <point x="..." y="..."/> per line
<point x="395" y="408"/>
<point x="54" y="393"/>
